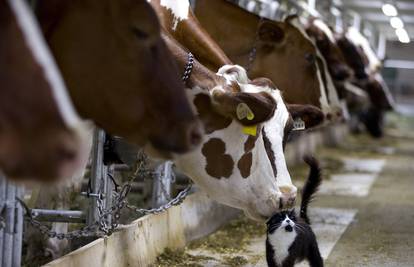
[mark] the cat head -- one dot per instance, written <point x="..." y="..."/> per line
<point x="284" y="220"/>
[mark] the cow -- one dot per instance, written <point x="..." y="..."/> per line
<point x="368" y="78"/>
<point x="119" y="72"/>
<point x="240" y="162"/>
<point x="41" y="135"/>
<point x="278" y="50"/>
<point x="325" y="41"/>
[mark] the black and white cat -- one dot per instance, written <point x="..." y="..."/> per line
<point x="290" y="238"/>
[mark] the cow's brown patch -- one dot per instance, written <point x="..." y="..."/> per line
<point x="245" y="164"/>
<point x="211" y="119"/>
<point x="250" y="142"/>
<point x="287" y="131"/>
<point x="218" y="164"/>
<point x="269" y="152"/>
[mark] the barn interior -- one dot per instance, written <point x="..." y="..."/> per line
<point x="128" y="208"/>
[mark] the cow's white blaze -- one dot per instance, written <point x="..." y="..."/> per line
<point x="258" y="195"/>
<point x="40" y="51"/>
<point x="179" y="8"/>
<point x="325" y="28"/>
<point x="357" y="38"/>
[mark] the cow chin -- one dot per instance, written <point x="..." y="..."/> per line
<point x="263" y="209"/>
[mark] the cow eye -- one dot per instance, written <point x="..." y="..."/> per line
<point x="310" y="58"/>
<point x="140" y="34"/>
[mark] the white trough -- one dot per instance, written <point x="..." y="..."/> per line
<point x="139" y="243"/>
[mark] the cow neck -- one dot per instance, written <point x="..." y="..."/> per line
<point x="200" y="75"/>
<point x="237" y="21"/>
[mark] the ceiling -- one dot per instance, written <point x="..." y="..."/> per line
<point x="370" y="10"/>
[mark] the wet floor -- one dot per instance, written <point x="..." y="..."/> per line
<point x="362" y="216"/>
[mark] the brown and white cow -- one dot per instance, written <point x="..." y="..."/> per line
<point x="325" y="40"/>
<point x="118" y="70"/>
<point x="240" y="161"/>
<point x="368" y="78"/>
<point x="41" y="136"/>
<point x="277" y="50"/>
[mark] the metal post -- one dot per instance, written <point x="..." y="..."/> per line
<point x="108" y="187"/>
<point x="3" y="186"/>
<point x="356" y="21"/>
<point x="312" y="4"/>
<point x="96" y="173"/>
<point x="162" y="184"/>
<point x="382" y="46"/>
<point x="18" y="230"/>
<point x="9" y="229"/>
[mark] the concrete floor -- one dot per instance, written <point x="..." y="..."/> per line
<point x="363" y="214"/>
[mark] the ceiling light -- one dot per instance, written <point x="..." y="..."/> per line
<point x="402" y="35"/>
<point x="396" y="23"/>
<point x="389" y="10"/>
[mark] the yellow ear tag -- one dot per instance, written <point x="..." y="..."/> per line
<point x="243" y="111"/>
<point x="250" y="130"/>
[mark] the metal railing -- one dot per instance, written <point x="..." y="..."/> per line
<point x="105" y="203"/>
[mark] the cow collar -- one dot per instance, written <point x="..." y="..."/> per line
<point x="188" y="68"/>
<point x="253" y="51"/>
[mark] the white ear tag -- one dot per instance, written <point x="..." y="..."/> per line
<point x="243" y="111"/>
<point x="298" y="125"/>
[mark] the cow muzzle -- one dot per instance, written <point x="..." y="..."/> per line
<point x="288" y="196"/>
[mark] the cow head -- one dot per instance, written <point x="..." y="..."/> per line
<point x="41" y="136"/>
<point x="283" y="50"/>
<point x="353" y="56"/>
<point x="119" y="72"/>
<point x="326" y="43"/>
<point x="240" y="161"/>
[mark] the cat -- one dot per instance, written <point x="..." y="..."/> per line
<point x="290" y="238"/>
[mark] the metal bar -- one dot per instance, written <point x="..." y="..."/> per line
<point x="312" y="4"/>
<point x="96" y="173"/>
<point x="63" y="216"/>
<point x="108" y="188"/>
<point x="18" y="231"/>
<point x="382" y="46"/>
<point x="162" y="184"/>
<point x="3" y="186"/>
<point x="9" y="229"/>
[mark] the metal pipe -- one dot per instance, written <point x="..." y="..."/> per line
<point x="64" y="216"/>
<point x="96" y="173"/>
<point x="9" y="229"/>
<point x="162" y="184"/>
<point x="18" y="231"/>
<point x="382" y="46"/>
<point x="3" y="186"/>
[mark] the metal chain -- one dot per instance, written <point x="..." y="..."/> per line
<point x="102" y="227"/>
<point x="253" y="51"/>
<point x="174" y="202"/>
<point x="188" y="68"/>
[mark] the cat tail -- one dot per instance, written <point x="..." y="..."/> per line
<point x="311" y="186"/>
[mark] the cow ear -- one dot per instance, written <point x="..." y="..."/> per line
<point x="310" y="115"/>
<point x="270" y="33"/>
<point x="248" y="108"/>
